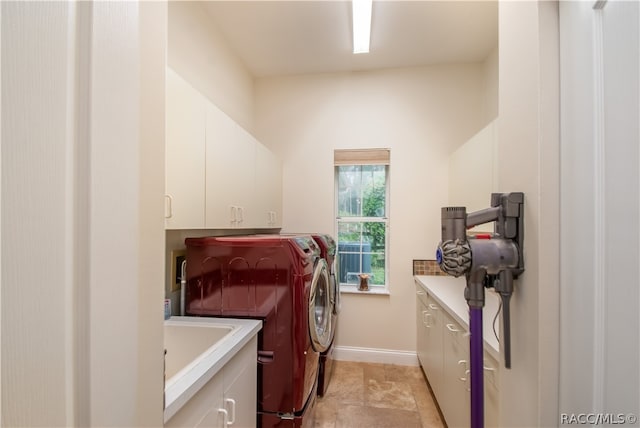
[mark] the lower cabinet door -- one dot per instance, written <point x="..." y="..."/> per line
<point x="455" y="403"/>
<point x="435" y="373"/>
<point x="240" y="398"/>
<point x="422" y="330"/>
<point x="491" y="403"/>
<point x="205" y="409"/>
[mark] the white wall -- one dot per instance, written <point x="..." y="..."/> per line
<point x="199" y="53"/>
<point x="421" y="114"/>
<point x="473" y="173"/>
<point x="490" y="78"/>
<point x="600" y="111"/>
<point x="36" y="280"/>
<point x="528" y="147"/>
<point x="82" y="227"/>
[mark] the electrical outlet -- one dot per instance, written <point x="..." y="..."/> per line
<point x="177" y="257"/>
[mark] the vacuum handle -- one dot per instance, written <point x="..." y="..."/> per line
<point x="506" y="329"/>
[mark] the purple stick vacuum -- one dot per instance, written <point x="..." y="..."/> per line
<point x="487" y="260"/>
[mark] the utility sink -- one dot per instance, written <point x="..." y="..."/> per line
<point x="196" y="349"/>
<point x="189" y="342"/>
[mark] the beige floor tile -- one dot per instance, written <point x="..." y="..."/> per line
<point x="371" y="417"/>
<point x="409" y="374"/>
<point x="390" y="395"/>
<point x="426" y="406"/>
<point x="374" y="371"/>
<point x="326" y="413"/>
<point x="376" y="395"/>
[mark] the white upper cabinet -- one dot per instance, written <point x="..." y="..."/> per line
<point x="218" y="175"/>
<point x="185" y="150"/>
<point x="229" y="172"/>
<point x="268" y="200"/>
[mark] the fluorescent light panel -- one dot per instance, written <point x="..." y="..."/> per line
<point x="361" y="25"/>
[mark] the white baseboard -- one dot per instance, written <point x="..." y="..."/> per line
<point x="371" y="355"/>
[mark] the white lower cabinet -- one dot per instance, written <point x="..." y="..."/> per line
<point x="443" y="353"/>
<point x="228" y="399"/>
<point x="421" y="325"/>
<point x="435" y="359"/>
<point x="240" y="388"/>
<point x="429" y="325"/>
<point x="491" y="403"/>
<point x="455" y="350"/>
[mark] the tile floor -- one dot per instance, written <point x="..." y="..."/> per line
<point x="376" y="395"/>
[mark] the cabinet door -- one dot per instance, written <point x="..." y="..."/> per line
<point x="455" y="402"/>
<point x="184" y="150"/>
<point x="240" y="376"/>
<point x="205" y="409"/>
<point x="242" y="159"/>
<point x="268" y="193"/>
<point x="422" y="319"/>
<point x="229" y="163"/>
<point x="491" y="403"/>
<point x="434" y="346"/>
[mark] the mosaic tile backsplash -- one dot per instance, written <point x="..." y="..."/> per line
<point x="426" y="267"/>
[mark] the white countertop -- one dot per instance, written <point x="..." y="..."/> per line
<point x="448" y="291"/>
<point x="180" y="388"/>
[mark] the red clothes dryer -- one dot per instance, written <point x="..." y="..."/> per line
<point x="328" y="252"/>
<point x="284" y="282"/>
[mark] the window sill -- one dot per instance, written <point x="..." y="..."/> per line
<point x="352" y="289"/>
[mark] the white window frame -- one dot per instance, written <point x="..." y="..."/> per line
<point x="353" y="288"/>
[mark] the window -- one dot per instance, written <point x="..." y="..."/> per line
<point x="362" y="216"/>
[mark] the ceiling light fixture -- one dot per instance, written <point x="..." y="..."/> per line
<point x="361" y="25"/>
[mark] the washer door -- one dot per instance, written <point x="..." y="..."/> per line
<point x="320" y="308"/>
<point x="335" y="288"/>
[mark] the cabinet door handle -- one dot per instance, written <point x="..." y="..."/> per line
<point x="452" y="328"/>
<point x="225" y="417"/>
<point x="241" y="211"/>
<point x="169" y="204"/>
<point x="420" y="293"/>
<point x="233" y="409"/>
<point x="466" y="375"/>
<point x="425" y="319"/>
<point x="233" y="215"/>
<point x="433" y="307"/>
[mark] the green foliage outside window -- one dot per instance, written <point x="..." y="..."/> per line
<point x="362" y="193"/>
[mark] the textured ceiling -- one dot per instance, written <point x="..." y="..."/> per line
<point x="296" y="37"/>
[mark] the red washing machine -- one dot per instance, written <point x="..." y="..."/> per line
<point x="328" y="252"/>
<point x="284" y="282"/>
